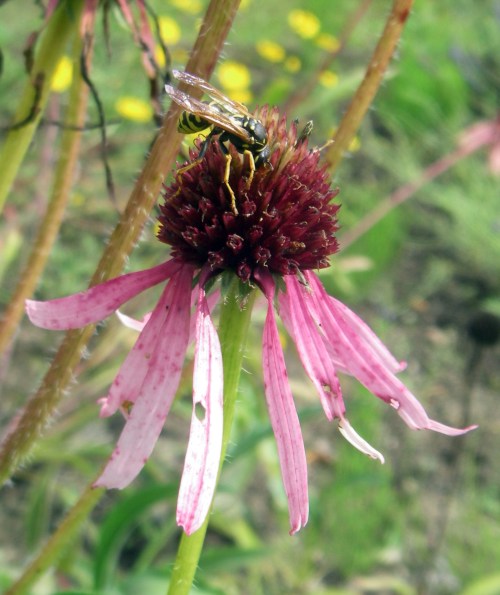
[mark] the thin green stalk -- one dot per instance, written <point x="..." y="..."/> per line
<point x="58" y="542"/>
<point x="31" y="421"/>
<point x="233" y="331"/>
<point x="366" y="92"/>
<point x="49" y="229"/>
<point x="63" y="23"/>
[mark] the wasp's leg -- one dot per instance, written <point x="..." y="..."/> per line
<point x="227" y="169"/>
<point x="228" y="185"/>
<point x="251" y="166"/>
<point x="182" y="170"/>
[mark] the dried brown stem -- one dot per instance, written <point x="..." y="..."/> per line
<point x="374" y="75"/>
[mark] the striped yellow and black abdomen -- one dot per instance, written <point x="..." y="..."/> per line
<point x="190" y="123"/>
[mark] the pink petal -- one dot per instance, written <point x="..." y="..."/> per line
<point x="364" y="363"/>
<point x="98" y="302"/>
<point x="283" y="415"/>
<point x="315" y="358"/>
<point x="360" y="328"/>
<point x="212" y="300"/>
<point x="311" y="349"/>
<point x="152" y="403"/>
<point x="138" y="325"/>
<point x="201" y="466"/>
<point x="127" y="384"/>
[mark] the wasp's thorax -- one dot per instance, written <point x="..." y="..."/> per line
<point x="285" y="221"/>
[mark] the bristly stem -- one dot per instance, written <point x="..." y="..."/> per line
<point x="61" y="26"/>
<point x="63" y="180"/>
<point x="233" y="331"/>
<point x="31" y="421"/>
<point x="373" y="78"/>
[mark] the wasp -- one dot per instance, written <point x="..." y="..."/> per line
<point x="229" y="120"/>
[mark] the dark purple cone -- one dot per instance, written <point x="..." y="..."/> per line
<point x="285" y="222"/>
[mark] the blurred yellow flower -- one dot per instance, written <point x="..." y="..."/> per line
<point x="304" y="23"/>
<point x="328" y="78"/>
<point x="63" y="75"/>
<point x="77" y="199"/>
<point x="293" y="64"/>
<point x="170" y="31"/>
<point x="233" y="75"/>
<point x="189" y="6"/>
<point x="355" y="144"/>
<point x="241" y="95"/>
<point x="327" y="42"/>
<point x="134" y="109"/>
<point x="159" y="56"/>
<point x="270" y="50"/>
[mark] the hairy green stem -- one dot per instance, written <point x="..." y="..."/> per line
<point x="366" y="92"/>
<point x="49" y="229"/>
<point x="61" y="26"/>
<point x="233" y="331"/>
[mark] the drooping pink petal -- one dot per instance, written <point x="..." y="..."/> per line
<point x="127" y="384"/>
<point x="283" y="415"/>
<point x="359" y="328"/>
<point x="212" y="299"/>
<point x="158" y="388"/>
<point x="201" y="466"/>
<point x="312" y="350"/>
<point x="98" y="302"/>
<point x="317" y="362"/>
<point x="138" y="325"/>
<point x="142" y="35"/>
<point x="364" y="363"/>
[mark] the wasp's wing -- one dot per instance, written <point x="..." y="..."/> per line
<point x="195" y="81"/>
<point x="207" y="111"/>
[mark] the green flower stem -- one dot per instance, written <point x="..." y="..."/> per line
<point x="374" y="75"/>
<point x="31" y="421"/>
<point x="58" y="542"/>
<point x="61" y="26"/>
<point x="233" y="331"/>
<point x="49" y="229"/>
